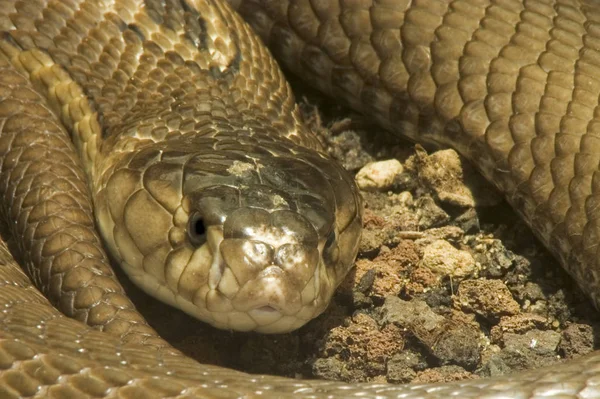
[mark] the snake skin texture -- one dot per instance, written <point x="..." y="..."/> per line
<point x="511" y="85"/>
<point x="231" y="215"/>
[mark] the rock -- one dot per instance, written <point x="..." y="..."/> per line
<point x="494" y="258"/>
<point x="518" y="324"/>
<point x="363" y="346"/>
<point x="458" y="344"/>
<point x="366" y="281"/>
<point x="453" y="181"/>
<point x="446" y="261"/>
<point x="378" y="176"/>
<point x="488" y="298"/>
<point x="448" y="340"/>
<point x="442" y="172"/>
<point x="414" y="315"/>
<point x="384" y="275"/>
<point x="405" y="198"/>
<point x="468" y="221"/>
<point x="537" y="341"/>
<point x="534" y="349"/>
<point x="330" y="369"/>
<point x="402" y="367"/>
<point x="429" y="214"/>
<point x="577" y="340"/>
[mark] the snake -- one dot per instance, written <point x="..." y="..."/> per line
<point x="168" y="126"/>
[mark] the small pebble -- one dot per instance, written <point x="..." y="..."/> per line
<point x="442" y="171"/>
<point x="577" y="340"/>
<point x="429" y="213"/>
<point x="378" y="176"/>
<point x="488" y="298"/>
<point x="444" y="260"/>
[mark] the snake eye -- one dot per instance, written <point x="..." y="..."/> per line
<point x="196" y="230"/>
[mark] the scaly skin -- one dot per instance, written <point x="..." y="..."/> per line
<point x="512" y="86"/>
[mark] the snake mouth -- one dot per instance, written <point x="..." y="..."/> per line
<point x="266" y="309"/>
<point x="265" y="315"/>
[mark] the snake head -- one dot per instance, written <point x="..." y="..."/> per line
<point x="244" y="238"/>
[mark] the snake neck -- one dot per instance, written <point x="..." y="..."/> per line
<point x="146" y="76"/>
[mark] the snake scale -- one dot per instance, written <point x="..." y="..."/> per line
<point x="513" y="86"/>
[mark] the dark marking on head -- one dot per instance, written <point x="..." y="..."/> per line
<point x="231" y="70"/>
<point x="196" y="32"/>
<point x="135" y="29"/>
<point x="155" y="9"/>
<point x="202" y="40"/>
<point x="8" y="37"/>
<point x="117" y="21"/>
<point x="186" y="7"/>
<point x="104" y="133"/>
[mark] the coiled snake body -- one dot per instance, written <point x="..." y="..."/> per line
<point x="214" y="197"/>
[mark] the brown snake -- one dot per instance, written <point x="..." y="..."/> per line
<point x="514" y="86"/>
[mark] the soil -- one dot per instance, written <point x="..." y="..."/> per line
<point x="449" y="283"/>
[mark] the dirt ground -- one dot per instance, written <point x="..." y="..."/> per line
<point x="449" y="283"/>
